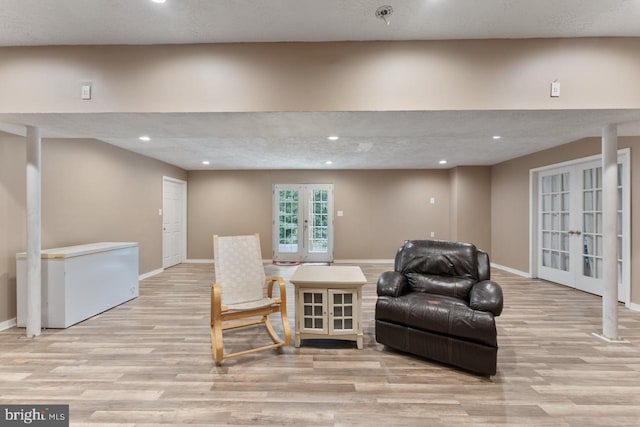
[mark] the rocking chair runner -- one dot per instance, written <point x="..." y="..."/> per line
<point x="243" y="295"/>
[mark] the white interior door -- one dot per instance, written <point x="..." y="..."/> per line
<point x="173" y="222"/>
<point x="570" y="226"/>
<point x="303" y="222"/>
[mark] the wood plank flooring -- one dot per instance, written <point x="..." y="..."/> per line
<point x="148" y="362"/>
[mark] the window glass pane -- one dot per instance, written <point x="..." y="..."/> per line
<point x="588" y="179"/>
<point x="337" y="324"/>
<point x="307" y="310"/>
<point x="317" y="323"/>
<point x="565" y="181"/>
<point x="348" y="311"/>
<point x="545" y="185"/>
<point x="348" y="324"/>
<point x="619" y="199"/>
<point x="588" y="226"/>
<point x="317" y="310"/>
<point x="347" y="298"/>
<point x="586" y="267"/>
<point x="619" y="224"/>
<point x="337" y="298"/>
<point x="337" y="311"/>
<point x="588" y="244"/>
<point x="555" y="260"/>
<point x="564" y="241"/>
<point x="620" y="248"/>
<point x="619" y="175"/>
<point x="565" y="202"/>
<point x="588" y="200"/>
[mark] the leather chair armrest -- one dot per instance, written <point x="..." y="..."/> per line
<point x="486" y="295"/>
<point x="392" y="283"/>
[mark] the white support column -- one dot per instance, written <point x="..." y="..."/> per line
<point x="610" y="232"/>
<point x="34" y="233"/>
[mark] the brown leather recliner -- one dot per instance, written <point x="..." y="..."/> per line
<point x="440" y="303"/>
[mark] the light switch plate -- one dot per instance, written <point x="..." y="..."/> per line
<point x="86" y="92"/>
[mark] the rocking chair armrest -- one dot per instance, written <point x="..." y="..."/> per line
<point x="281" y="284"/>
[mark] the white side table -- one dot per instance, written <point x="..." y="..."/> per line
<point x="328" y="303"/>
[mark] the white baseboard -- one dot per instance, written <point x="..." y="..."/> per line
<point x="363" y="261"/>
<point x="633" y="306"/>
<point x="150" y="273"/>
<point x="511" y="270"/>
<point x="199" y="261"/>
<point x="8" y="324"/>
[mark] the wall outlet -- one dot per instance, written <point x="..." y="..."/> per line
<point x="340" y="213"/>
<point x="432" y="234"/>
<point x="432" y="200"/>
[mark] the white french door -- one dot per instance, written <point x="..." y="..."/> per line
<point x="174" y="231"/>
<point x="303" y="222"/>
<point x="569" y="237"/>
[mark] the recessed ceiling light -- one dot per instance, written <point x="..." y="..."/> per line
<point x="206" y="162"/>
<point x="328" y="162"/>
<point x="158" y="1"/>
<point x="145" y="138"/>
<point x="496" y="137"/>
<point x="333" y="138"/>
<point x="443" y="162"/>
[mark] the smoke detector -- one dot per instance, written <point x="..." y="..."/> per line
<point x="384" y="12"/>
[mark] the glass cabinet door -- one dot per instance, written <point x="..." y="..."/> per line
<point x="342" y="312"/>
<point x="314" y="309"/>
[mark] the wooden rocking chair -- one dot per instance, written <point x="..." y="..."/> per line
<point x="243" y="295"/>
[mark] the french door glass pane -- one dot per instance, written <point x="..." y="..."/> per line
<point x="318" y="222"/>
<point x="288" y="213"/>
<point x="555" y="221"/>
<point x="592" y="223"/>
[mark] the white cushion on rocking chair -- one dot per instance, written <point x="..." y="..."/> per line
<point x="264" y="302"/>
<point x="239" y="270"/>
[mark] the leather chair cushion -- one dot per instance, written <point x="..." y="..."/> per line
<point x="440" y="258"/>
<point x="439" y="314"/>
<point x="456" y="287"/>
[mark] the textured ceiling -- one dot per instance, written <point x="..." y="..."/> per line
<point x="368" y="140"/>
<point x="45" y="22"/>
<point x="373" y="140"/>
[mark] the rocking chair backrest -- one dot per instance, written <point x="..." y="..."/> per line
<point x="238" y="268"/>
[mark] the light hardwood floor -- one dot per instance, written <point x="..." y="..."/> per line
<point x="148" y="362"/>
